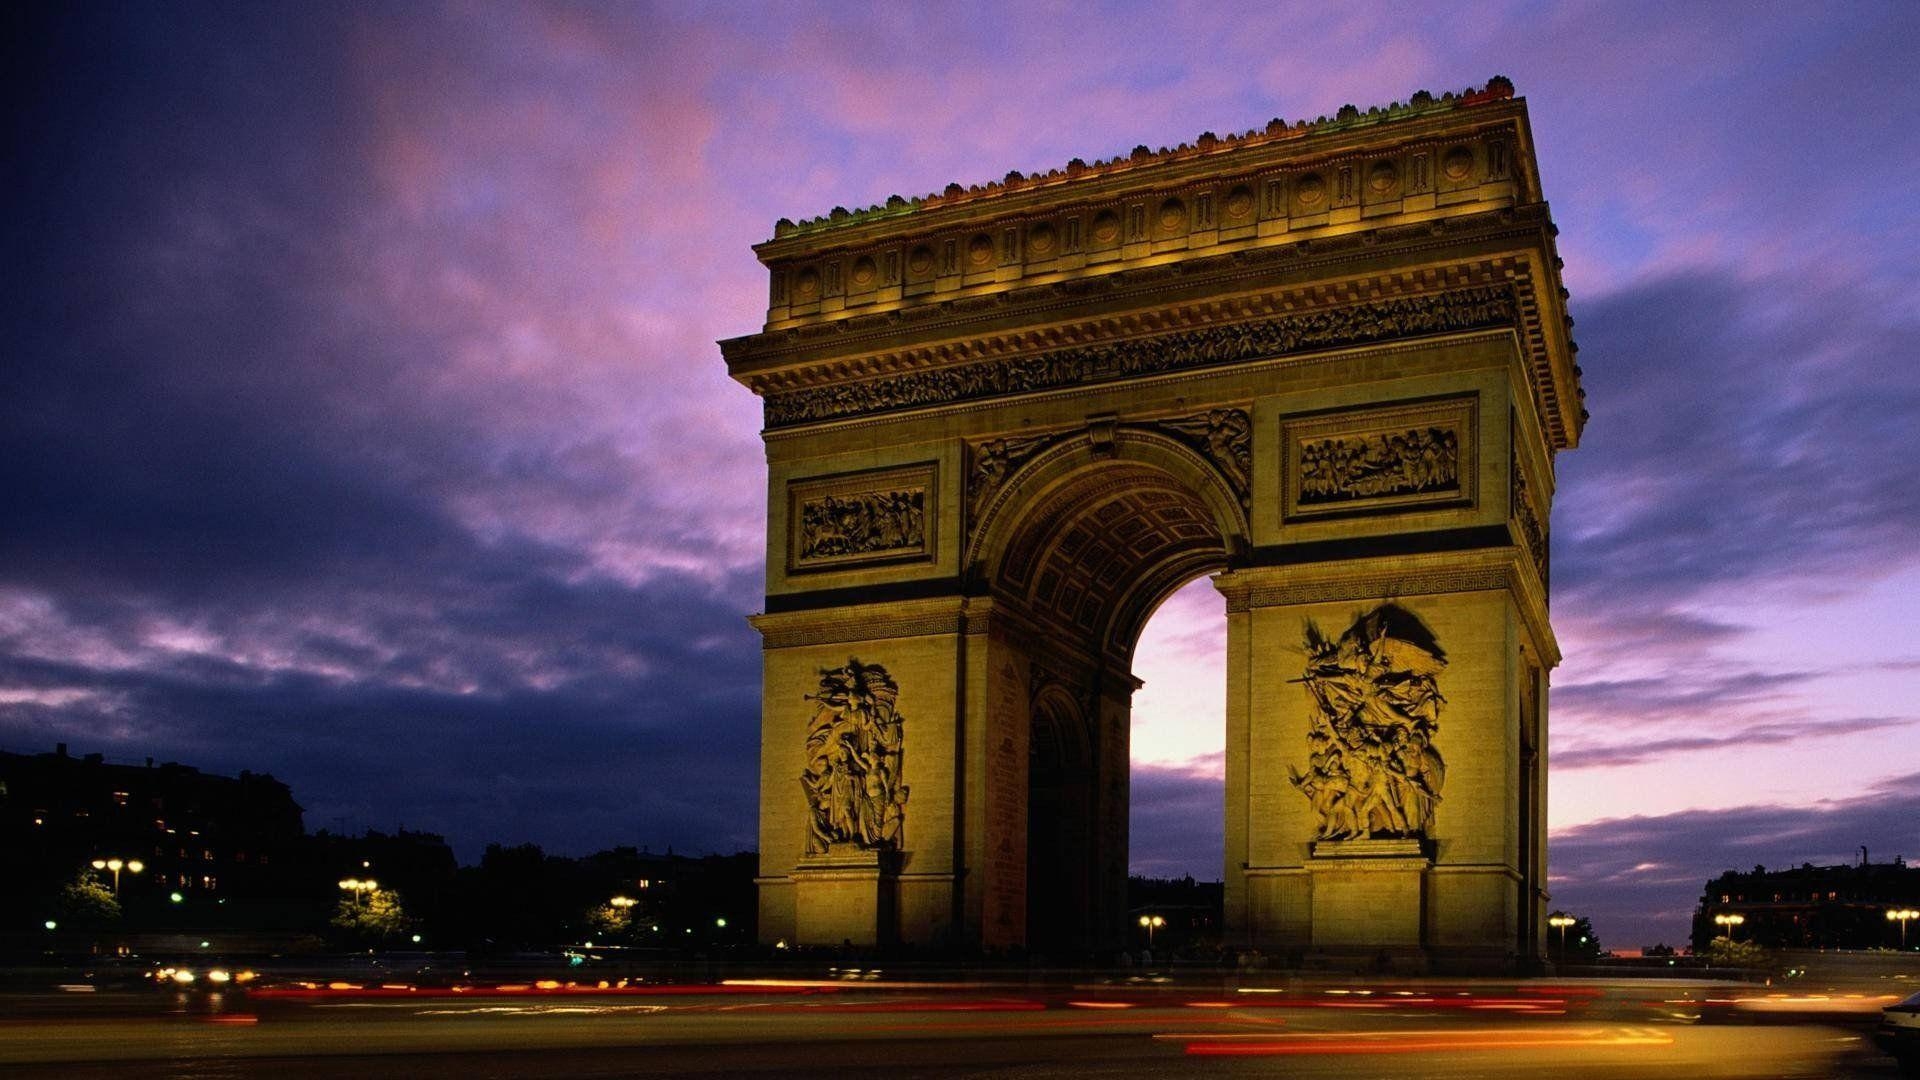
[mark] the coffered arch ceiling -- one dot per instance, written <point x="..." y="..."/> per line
<point x="1094" y="558"/>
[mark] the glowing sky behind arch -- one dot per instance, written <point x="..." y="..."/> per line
<point x="362" y="421"/>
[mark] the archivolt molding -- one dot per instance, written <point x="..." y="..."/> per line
<point x="1045" y="462"/>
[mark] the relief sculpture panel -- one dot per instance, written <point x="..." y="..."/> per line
<point x="1225" y="436"/>
<point x="1415" y="456"/>
<point x="1418" y="461"/>
<point x="859" y="518"/>
<point x="1532" y="531"/>
<point x="854" y="750"/>
<point x="1373" y="771"/>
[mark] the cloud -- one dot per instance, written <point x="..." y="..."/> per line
<point x="1794" y="733"/>
<point x="1178" y="819"/>
<point x="339" y="449"/>
<point x="1686" y="483"/>
<point x="367" y="425"/>
<point x="1639" y="878"/>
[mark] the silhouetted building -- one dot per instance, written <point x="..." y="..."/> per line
<point x="194" y="833"/>
<point x="1811" y="906"/>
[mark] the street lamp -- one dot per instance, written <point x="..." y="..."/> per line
<point x="1730" y="922"/>
<point x="131" y="866"/>
<point x="1901" y="915"/>
<point x="623" y="902"/>
<point x="1152" y="923"/>
<point x="359" y="887"/>
<point x="1562" y="922"/>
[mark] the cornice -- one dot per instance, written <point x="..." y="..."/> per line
<point x="1301" y="137"/>
<point x="1242" y="286"/>
<point x="860" y="622"/>
<point x="1129" y="348"/>
<point x="882" y="342"/>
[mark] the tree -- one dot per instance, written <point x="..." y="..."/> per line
<point x="374" y="916"/>
<point x="1573" y="944"/>
<point x="1726" y="952"/>
<point x="611" y="922"/>
<point x="84" y="902"/>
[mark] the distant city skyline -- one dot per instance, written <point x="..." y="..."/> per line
<point x="366" y="426"/>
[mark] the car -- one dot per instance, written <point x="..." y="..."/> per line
<point x="1899" y="1034"/>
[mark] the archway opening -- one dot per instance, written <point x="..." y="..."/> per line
<point x="1176" y="830"/>
<point x="1092" y="558"/>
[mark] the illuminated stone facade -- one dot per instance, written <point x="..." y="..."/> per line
<point x="1328" y="365"/>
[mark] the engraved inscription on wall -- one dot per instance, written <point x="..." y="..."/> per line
<point x="1409" y="456"/>
<point x="856" y="519"/>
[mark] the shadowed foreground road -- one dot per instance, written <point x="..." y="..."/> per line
<point x="839" y="1031"/>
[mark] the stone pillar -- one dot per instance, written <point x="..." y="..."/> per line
<point x="1324" y="888"/>
<point x="902" y="889"/>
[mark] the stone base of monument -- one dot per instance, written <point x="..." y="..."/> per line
<point x="1369" y="904"/>
<point x="847" y="896"/>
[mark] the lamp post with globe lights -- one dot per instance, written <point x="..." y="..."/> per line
<point x="1901" y="915"/>
<point x="1561" y="922"/>
<point x="1152" y="923"/>
<point x="131" y="866"/>
<point x="359" y="887"/>
<point x="1730" y="922"/>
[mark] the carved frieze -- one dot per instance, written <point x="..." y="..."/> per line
<point x="1372" y="769"/>
<point x="1223" y="436"/>
<point x="1411" y="456"/>
<point x="855" y="745"/>
<point x="1474" y="308"/>
<point x="855" y="519"/>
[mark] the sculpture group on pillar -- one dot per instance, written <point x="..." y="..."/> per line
<point x="852" y="778"/>
<point x="1373" y="771"/>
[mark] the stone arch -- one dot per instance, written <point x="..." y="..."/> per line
<point x="1092" y="532"/>
<point x="1076" y="548"/>
<point x="987" y="466"/>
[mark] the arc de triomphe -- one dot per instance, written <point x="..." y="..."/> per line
<point x="1328" y="364"/>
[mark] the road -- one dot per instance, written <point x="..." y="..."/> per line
<point x="838" y="1030"/>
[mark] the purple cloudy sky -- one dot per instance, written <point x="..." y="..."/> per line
<point x="361" y="420"/>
